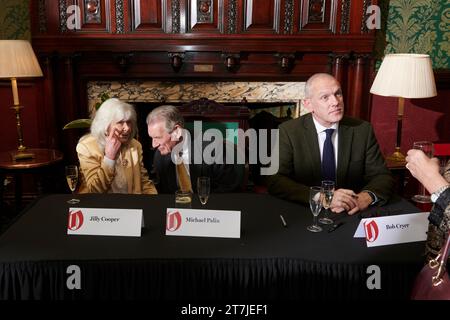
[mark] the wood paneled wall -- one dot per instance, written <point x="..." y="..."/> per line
<point x="185" y="40"/>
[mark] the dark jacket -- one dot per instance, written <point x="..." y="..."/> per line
<point x="360" y="164"/>
<point x="224" y="177"/>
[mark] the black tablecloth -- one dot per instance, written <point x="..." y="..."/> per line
<point x="268" y="262"/>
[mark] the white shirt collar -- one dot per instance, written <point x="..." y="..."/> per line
<point x="320" y="128"/>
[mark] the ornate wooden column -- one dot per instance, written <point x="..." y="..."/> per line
<point x="65" y="97"/>
<point x="48" y="107"/>
<point x="339" y="69"/>
<point x="339" y="66"/>
<point x="358" y="105"/>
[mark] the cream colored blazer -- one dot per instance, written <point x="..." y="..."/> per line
<point x="96" y="176"/>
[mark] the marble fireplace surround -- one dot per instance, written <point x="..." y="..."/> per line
<point x="223" y="91"/>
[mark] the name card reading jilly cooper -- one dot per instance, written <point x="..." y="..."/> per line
<point x="105" y="222"/>
<point x="387" y="230"/>
<point x="203" y="223"/>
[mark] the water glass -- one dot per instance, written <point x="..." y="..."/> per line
<point x="203" y="189"/>
<point x="72" y="181"/>
<point x="427" y="148"/>
<point x="327" y="197"/>
<point x="315" y="204"/>
<point x="183" y="199"/>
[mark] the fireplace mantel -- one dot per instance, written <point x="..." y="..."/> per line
<point x="220" y="91"/>
<point x="157" y="50"/>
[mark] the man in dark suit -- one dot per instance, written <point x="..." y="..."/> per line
<point x="308" y="146"/>
<point x="173" y="145"/>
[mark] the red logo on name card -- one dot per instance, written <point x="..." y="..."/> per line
<point x="173" y="222"/>
<point x="371" y="231"/>
<point x="75" y="220"/>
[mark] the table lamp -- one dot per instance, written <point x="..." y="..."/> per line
<point x="404" y="75"/>
<point x="17" y="60"/>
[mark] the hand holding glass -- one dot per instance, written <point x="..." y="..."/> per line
<point x="427" y="148"/>
<point x="327" y="197"/>
<point x="203" y="189"/>
<point x="315" y="203"/>
<point x="72" y="181"/>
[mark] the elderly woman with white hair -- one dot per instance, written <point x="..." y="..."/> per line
<point x="110" y="158"/>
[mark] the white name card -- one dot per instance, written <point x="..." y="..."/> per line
<point x="105" y="222"/>
<point x="388" y="230"/>
<point x="203" y="223"/>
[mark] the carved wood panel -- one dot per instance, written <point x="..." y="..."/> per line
<point x="205" y="16"/>
<point x="261" y="16"/>
<point x="318" y="15"/>
<point x="148" y="16"/>
<point x="85" y="16"/>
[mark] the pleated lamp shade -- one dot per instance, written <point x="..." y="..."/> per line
<point x="17" y="60"/>
<point x="405" y="75"/>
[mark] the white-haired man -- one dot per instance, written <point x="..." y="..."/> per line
<point x="165" y="126"/>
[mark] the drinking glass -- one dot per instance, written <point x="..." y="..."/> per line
<point x="183" y="199"/>
<point x="203" y="189"/>
<point x="427" y="148"/>
<point x="315" y="203"/>
<point x="327" y="196"/>
<point x="72" y="181"/>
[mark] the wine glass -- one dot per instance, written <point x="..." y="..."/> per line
<point x="327" y="196"/>
<point x="427" y="148"/>
<point x="72" y="181"/>
<point x="203" y="189"/>
<point x="315" y="203"/>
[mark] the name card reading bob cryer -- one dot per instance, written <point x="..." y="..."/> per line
<point x="203" y="223"/>
<point x="105" y="222"/>
<point x="395" y="229"/>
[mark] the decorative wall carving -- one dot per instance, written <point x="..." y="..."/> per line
<point x="175" y="16"/>
<point x="42" y="17"/>
<point x="176" y="60"/>
<point x="205" y="11"/>
<point x="231" y="61"/>
<point x="120" y="22"/>
<point x="366" y="4"/>
<point x="285" y="61"/>
<point x="316" y="11"/>
<point x="92" y="11"/>
<point x="62" y="15"/>
<point x="232" y="16"/>
<point x="345" y="16"/>
<point x="288" y="16"/>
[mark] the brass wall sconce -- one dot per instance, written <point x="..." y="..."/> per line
<point x="176" y="60"/>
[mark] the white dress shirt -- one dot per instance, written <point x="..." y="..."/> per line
<point x="321" y="136"/>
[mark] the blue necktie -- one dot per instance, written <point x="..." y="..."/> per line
<point x="328" y="162"/>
